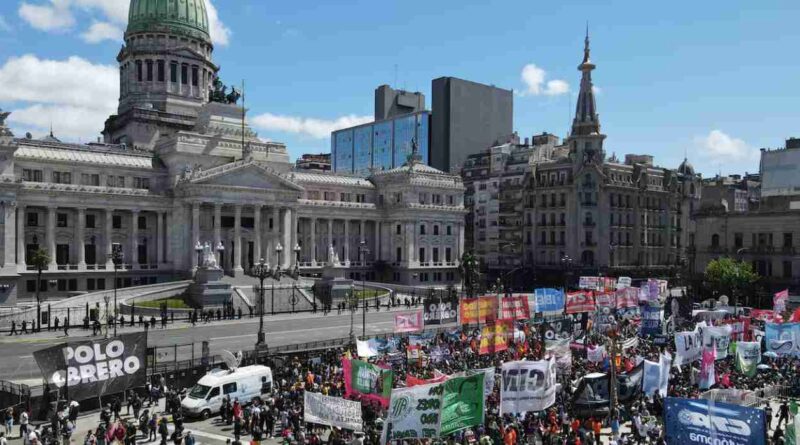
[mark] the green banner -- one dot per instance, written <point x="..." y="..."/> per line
<point x="370" y="380"/>
<point x="748" y="356"/>
<point x="462" y="403"/>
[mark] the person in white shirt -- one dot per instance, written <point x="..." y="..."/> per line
<point x="23" y="424"/>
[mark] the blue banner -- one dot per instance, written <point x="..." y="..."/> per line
<point x="549" y="300"/>
<point x="783" y="339"/>
<point x="651" y="320"/>
<point x="696" y="421"/>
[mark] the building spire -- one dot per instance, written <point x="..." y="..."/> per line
<point x="586" y="120"/>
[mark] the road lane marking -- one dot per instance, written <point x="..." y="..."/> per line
<point x="295" y="331"/>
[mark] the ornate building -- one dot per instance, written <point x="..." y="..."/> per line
<point x="179" y="166"/>
<point x="593" y="213"/>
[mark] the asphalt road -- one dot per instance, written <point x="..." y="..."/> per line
<point x="16" y="353"/>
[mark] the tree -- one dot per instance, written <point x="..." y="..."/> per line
<point x="728" y="275"/>
<point x="40" y="260"/>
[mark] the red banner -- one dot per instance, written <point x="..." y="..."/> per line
<point x="495" y="336"/>
<point x="779" y="301"/>
<point x="412" y="322"/>
<point x="515" y="308"/>
<point x="478" y="310"/>
<point x="414" y="381"/>
<point x="628" y="297"/>
<point x="763" y="314"/>
<point x="582" y="301"/>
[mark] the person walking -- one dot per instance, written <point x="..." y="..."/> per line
<point x="163" y="431"/>
<point x="783" y="413"/>
<point x="152" y="426"/>
<point x="24" y="326"/>
<point x="9" y="421"/>
<point x="13" y="328"/>
<point x="66" y="327"/>
<point x="23" y="423"/>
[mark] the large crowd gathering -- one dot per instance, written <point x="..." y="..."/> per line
<point x="278" y="413"/>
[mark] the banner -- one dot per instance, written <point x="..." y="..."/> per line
<point x="653" y="289"/>
<point x="478" y="310"/>
<point x="718" y="338"/>
<point x="514" y="308"/>
<point x="92" y="368"/>
<point x="367" y="348"/>
<point x="644" y="293"/>
<point x="438" y="377"/>
<point x="562" y="353"/>
<point x="412" y="322"/>
<point x="628" y="297"/>
<point x="740" y="328"/>
<point x="582" y="301"/>
<point x="488" y="379"/>
<point x="688" y="347"/>
<point x="527" y="386"/>
<point x="623" y="282"/>
<point x="763" y="314"/>
<point x="548" y="300"/>
<point x="700" y="422"/>
<point x="707" y="375"/>
<point x="596" y="354"/>
<point x="495" y="336"/>
<point x="779" y="301"/>
<point x="414" y="412"/>
<point x="651" y="319"/>
<point x="332" y="411"/>
<point x="783" y="339"/>
<point x="370" y="382"/>
<point x="556" y="329"/>
<point x="605" y="315"/>
<point x="440" y="310"/>
<point x="592" y="283"/>
<point x="748" y="356"/>
<point x="462" y="403"/>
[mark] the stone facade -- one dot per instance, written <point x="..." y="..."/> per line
<point x="177" y="169"/>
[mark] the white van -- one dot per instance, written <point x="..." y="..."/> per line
<point x="205" y="398"/>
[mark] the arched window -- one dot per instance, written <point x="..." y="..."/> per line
<point x="138" y="70"/>
<point x="715" y="240"/>
<point x="691" y="189"/>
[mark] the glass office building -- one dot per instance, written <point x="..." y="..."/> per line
<point x="380" y="145"/>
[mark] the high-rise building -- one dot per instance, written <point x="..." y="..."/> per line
<point x="381" y="145"/>
<point x="467" y="118"/>
<point x="390" y="103"/>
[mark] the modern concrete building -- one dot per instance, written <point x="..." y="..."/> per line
<point x="468" y="117"/>
<point x="391" y="103"/>
<point x="179" y="168"/>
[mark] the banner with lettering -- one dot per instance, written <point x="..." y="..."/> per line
<point x="495" y="336"/>
<point x="463" y="403"/>
<point x="644" y="293"/>
<point x="627" y="297"/>
<point x="651" y="319"/>
<point x="748" y="356"/>
<point x="783" y="339"/>
<point x="488" y="379"/>
<point x="563" y="354"/>
<point x="368" y="382"/>
<point x="514" y="308"/>
<point x="527" y="386"/>
<point x="582" y="301"/>
<point x="779" y="301"/>
<point x="478" y="310"/>
<point x="440" y="310"/>
<point x="605" y="315"/>
<point x="718" y="338"/>
<point x="332" y="411"/>
<point x="623" y="282"/>
<point x="559" y="329"/>
<point x="592" y="283"/>
<point x="703" y="422"/>
<point x="688" y="347"/>
<point x="707" y="367"/>
<point x="414" y="412"/>
<point x="763" y="314"/>
<point x="549" y="300"/>
<point x="412" y="322"/>
<point x="652" y="285"/>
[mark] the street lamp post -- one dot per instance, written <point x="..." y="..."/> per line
<point x="116" y="257"/>
<point x="276" y="274"/>
<point x="363" y="251"/>
<point x="105" y="299"/>
<point x="262" y="272"/>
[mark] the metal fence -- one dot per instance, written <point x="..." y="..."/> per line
<point x="746" y="397"/>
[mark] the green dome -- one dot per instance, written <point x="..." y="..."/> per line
<point x="183" y="17"/>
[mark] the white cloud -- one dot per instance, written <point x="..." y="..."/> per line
<point x="220" y="34"/>
<point x="59" y="16"/>
<point x="57" y="91"/>
<point x="315" y="128"/>
<point x="53" y="17"/>
<point x="721" y="147"/>
<point x="100" y="31"/>
<point x="534" y="79"/>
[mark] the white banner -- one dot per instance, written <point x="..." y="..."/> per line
<point x="332" y="411"/>
<point x="562" y="353"/>
<point x="488" y="379"/>
<point x="656" y="376"/>
<point x="688" y="347"/>
<point x="596" y="354"/>
<point x="719" y="338"/>
<point x="414" y="413"/>
<point x="527" y="386"/>
<point x="367" y="349"/>
<point x="623" y="282"/>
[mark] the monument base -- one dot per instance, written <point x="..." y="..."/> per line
<point x="333" y="285"/>
<point x="208" y="290"/>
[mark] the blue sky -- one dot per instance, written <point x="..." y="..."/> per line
<point x="715" y="80"/>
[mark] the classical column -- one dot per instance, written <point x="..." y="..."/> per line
<point x="167" y="238"/>
<point x="410" y="235"/>
<point x="51" y="236"/>
<point x="460" y="243"/>
<point x="237" y="240"/>
<point x="330" y="238"/>
<point x="313" y="241"/>
<point x="21" y="265"/>
<point x="9" y="247"/>
<point x="293" y="258"/>
<point x="217" y="230"/>
<point x="109" y="238"/>
<point x="79" y="237"/>
<point x="160" y="237"/>
<point x="134" y="239"/>
<point x="346" y="258"/>
<point x="377" y="246"/>
<point x="195" y="233"/>
<point x="257" y="233"/>
<point x="286" y="227"/>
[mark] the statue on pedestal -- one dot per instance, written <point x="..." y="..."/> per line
<point x="209" y="260"/>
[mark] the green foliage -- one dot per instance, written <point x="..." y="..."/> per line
<point x="726" y="274"/>
<point x="172" y="303"/>
<point x="40" y="259"/>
